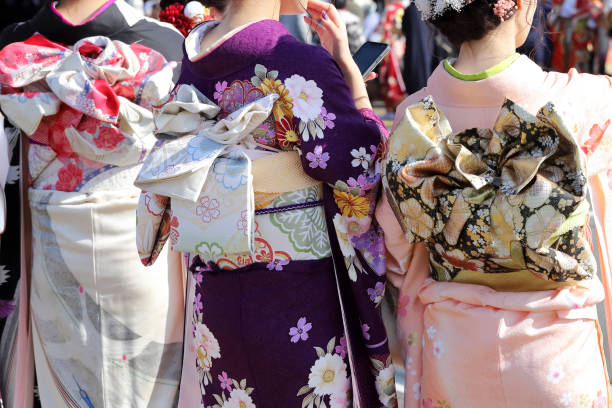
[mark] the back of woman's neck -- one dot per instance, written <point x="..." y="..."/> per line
<point x="240" y="14"/>
<point x="78" y="11"/>
<point x="478" y="56"/>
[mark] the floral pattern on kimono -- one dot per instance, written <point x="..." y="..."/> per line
<point x="512" y="198"/>
<point x="339" y="146"/>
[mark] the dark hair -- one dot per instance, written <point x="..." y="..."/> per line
<point x="340" y="4"/>
<point x="220" y="5"/>
<point x="471" y="23"/>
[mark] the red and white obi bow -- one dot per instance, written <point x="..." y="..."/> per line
<point x="91" y="100"/>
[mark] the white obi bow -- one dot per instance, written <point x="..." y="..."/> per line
<point x="201" y="165"/>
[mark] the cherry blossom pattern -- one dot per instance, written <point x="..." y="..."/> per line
<point x="208" y="209"/>
<point x="555" y="375"/>
<point x="225" y="381"/>
<point x="341" y="348"/>
<point x="431" y="332"/>
<point x="377" y="292"/>
<point x="219" y="88"/>
<point x="301" y="331"/>
<point x="317" y="158"/>
<point x="361" y="158"/>
<point x="277" y="265"/>
<point x="438" y="348"/>
<point x="328" y="118"/>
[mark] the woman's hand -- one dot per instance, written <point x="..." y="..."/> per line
<point x="328" y="24"/>
<point x="326" y="21"/>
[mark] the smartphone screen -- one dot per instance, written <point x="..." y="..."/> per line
<point x="369" y="56"/>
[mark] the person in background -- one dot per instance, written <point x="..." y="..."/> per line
<point x="392" y="82"/>
<point x="425" y="48"/>
<point x="137" y="4"/>
<point x="489" y="180"/>
<point x="539" y="45"/>
<point x="574" y="28"/>
<point x="106" y="331"/>
<point x="152" y="9"/>
<point x="354" y="26"/>
<point x="371" y="21"/>
<point x="297" y="27"/>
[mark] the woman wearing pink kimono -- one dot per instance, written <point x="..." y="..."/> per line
<point x="487" y="183"/>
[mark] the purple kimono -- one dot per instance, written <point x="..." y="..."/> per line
<point x="298" y="324"/>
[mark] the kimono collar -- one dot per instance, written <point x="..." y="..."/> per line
<point x="108" y="20"/>
<point x="238" y="49"/>
<point x="516" y="82"/>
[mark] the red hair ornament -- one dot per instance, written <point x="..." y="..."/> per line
<point x="185" y="16"/>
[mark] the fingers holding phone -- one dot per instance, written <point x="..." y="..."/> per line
<point x="326" y="21"/>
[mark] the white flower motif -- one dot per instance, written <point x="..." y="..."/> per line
<point x="416" y="390"/>
<point x="341" y="225"/>
<point x="307" y="97"/>
<point x="238" y="398"/>
<point x="13" y="175"/>
<point x="341" y="399"/>
<point x="438" y="348"/>
<point x="408" y="363"/>
<point x="555" y="374"/>
<point x="361" y="158"/>
<point x="431" y="332"/>
<point x="4" y="274"/>
<point x="328" y="375"/>
<point x="385" y="386"/>
<point x="206" y="347"/>
<point x="566" y="399"/>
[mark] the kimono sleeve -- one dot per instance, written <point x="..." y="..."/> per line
<point x="595" y="139"/>
<point x="339" y="143"/>
<point x="408" y="270"/>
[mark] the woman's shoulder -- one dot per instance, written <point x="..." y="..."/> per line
<point x="304" y="58"/>
<point x="574" y="84"/>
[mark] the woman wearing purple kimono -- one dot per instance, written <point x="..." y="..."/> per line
<point x="295" y="322"/>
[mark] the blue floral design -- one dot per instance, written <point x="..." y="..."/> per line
<point x="231" y="171"/>
<point x="200" y="148"/>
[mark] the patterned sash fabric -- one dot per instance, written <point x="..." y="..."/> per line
<point x="200" y="170"/>
<point x="85" y="108"/>
<point x="508" y="199"/>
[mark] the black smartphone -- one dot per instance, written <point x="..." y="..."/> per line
<point x="369" y="56"/>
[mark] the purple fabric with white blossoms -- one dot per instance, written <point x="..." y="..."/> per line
<point x="271" y="333"/>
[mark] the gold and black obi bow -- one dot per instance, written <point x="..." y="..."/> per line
<point x="508" y="199"/>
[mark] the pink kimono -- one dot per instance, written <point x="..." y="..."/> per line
<point x="532" y="342"/>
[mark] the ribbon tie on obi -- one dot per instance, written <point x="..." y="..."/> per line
<point x="91" y="99"/>
<point x="201" y="164"/>
<point x="507" y="199"/>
